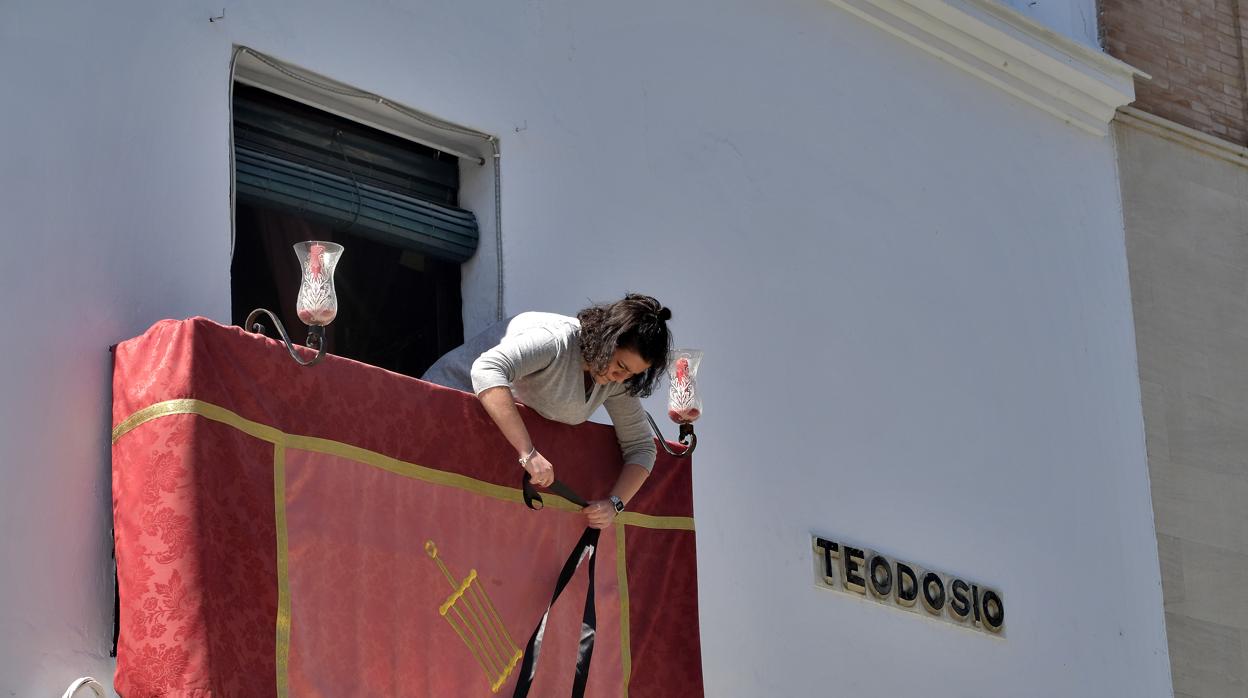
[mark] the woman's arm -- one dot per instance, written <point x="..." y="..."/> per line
<point x="630" y="481"/>
<point x="501" y="407"/>
<point x="632" y="430"/>
<point x="601" y="513"/>
<point x="492" y="375"/>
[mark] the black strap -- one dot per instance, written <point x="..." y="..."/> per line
<point x="586" y="548"/>
<point x="533" y="500"/>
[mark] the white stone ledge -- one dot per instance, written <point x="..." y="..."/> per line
<point x="997" y="44"/>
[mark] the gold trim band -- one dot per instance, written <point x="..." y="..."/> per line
<point x="621" y="571"/>
<point x="283" y="568"/>
<point x="265" y="432"/>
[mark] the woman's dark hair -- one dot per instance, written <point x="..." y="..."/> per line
<point x="637" y="322"/>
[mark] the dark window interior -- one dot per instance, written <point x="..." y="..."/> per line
<point x="398" y="308"/>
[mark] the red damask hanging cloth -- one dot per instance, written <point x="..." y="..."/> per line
<point x="342" y="530"/>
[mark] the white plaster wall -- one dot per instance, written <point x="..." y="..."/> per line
<point x="912" y="289"/>
<point x="114" y="187"/>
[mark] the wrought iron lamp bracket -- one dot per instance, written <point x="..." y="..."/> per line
<point x="316" y="336"/>
<point x="687" y="438"/>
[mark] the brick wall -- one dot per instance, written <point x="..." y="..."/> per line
<point x="1194" y="49"/>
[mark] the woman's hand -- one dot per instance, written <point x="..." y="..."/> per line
<point x="600" y="513"/>
<point x="541" y="472"/>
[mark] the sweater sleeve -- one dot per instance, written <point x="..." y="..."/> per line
<point x="632" y="430"/>
<point x="515" y="356"/>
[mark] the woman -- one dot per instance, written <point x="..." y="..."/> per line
<point x="564" y="368"/>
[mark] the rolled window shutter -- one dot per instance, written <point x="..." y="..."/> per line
<point x="295" y="158"/>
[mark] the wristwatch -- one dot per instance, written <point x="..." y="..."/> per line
<point x="617" y="503"/>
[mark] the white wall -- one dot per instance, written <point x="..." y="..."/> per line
<point x="114" y="186"/>
<point x="911" y="287"/>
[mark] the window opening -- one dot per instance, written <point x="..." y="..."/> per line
<point x="304" y="174"/>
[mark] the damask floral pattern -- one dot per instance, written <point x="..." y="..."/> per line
<point x="173" y="530"/>
<point x="172" y="603"/>
<point x="201" y="548"/>
<point x="160" y="668"/>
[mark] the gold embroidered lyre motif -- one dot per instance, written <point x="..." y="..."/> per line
<point x="471" y="614"/>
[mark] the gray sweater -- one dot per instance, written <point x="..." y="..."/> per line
<point x="538" y="356"/>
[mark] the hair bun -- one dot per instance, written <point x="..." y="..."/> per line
<point x="665" y="314"/>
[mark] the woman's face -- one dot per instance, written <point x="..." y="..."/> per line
<point x="624" y="364"/>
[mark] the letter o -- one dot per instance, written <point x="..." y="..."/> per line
<point x="881" y="576"/>
<point x="994" y="611"/>
<point x="933" y="593"/>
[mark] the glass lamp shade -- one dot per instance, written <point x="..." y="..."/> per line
<point x="684" y="405"/>
<point x="317" y="304"/>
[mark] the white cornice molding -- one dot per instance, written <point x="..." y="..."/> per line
<point x="1069" y="80"/>
<point x="1184" y="136"/>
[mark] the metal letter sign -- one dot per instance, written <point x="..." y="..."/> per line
<point x="872" y="575"/>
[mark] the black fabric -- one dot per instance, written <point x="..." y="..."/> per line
<point x="375" y="283"/>
<point x="112" y="652"/>
<point x="585" y="548"/>
<point x="533" y="500"/>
